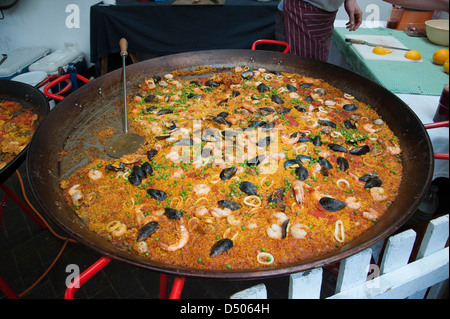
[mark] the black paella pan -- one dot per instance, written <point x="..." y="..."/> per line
<point x="29" y="97"/>
<point x="70" y="135"/>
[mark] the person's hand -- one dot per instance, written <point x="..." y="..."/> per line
<point x="354" y="13"/>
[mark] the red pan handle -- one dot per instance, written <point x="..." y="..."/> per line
<point x="272" y="42"/>
<point x="56" y="81"/>
<point x="444" y="156"/>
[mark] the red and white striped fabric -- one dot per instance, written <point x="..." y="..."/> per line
<point x="308" y="29"/>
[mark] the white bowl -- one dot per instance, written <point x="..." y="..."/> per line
<point x="437" y="31"/>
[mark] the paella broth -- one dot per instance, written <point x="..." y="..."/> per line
<point x="297" y="206"/>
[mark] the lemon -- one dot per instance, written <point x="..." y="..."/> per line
<point x="440" y="56"/>
<point x="413" y="55"/>
<point x="446" y="66"/>
<point x="380" y="50"/>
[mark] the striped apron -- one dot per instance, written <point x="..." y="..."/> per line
<point x="308" y="29"/>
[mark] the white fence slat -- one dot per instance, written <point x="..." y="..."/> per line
<point x="398" y="250"/>
<point x="255" y="292"/>
<point x="435" y="236"/>
<point x="306" y="284"/>
<point x="353" y="270"/>
<point x="403" y="281"/>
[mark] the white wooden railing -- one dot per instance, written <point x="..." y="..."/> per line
<point x="394" y="278"/>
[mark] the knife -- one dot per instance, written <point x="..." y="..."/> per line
<point x="357" y="41"/>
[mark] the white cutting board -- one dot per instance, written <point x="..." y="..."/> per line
<point x="365" y="51"/>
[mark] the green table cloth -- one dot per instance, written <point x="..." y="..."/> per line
<point x="425" y="78"/>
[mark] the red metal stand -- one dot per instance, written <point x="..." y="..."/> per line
<point x="444" y="156"/>
<point x="177" y="286"/>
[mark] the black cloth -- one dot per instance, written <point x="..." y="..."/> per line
<point x="158" y="28"/>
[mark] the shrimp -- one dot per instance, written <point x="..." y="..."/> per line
<point x="200" y="211"/>
<point x="74" y="189"/>
<point x="289" y="140"/>
<point x="220" y="213"/>
<point x="274" y="231"/>
<point x="144" y="215"/>
<point x="353" y="203"/>
<point x="234" y="220"/>
<point x="184" y="238"/>
<point x="372" y="214"/>
<point x="299" y="192"/>
<point x="378" y="194"/>
<point x="141" y="247"/>
<point x="298" y="230"/>
<point x="280" y="218"/>
<point x="201" y="189"/>
<point x="249" y="107"/>
<point x="368" y="128"/>
<point x="178" y="173"/>
<point x="120" y="230"/>
<point x="95" y="174"/>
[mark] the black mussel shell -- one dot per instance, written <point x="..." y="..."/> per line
<point x="360" y="150"/>
<point x="291" y="88"/>
<point x="305" y="85"/>
<point x="184" y="142"/>
<point x="194" y="96"/>
<point x="337" y="148"/>
<point x="223" y="114"/>
<point x="256" y="160"/>
<point x="247" y="75"/>
<point x="268" y="126"/>
<point x="139" y="171"/>
<point x="262" y="88"/>
<point x="265" y="141"/>
<point x="372" y="180"/>
<point x="147" y="168"/>
<point x="277" y="196"/>
<point x="156" y="78"/>
<point x="221" y="120"/>
<point x="211" y="83"/>
<point x="228" y="173"/>
<point x="110" y="167"/>
<point x="284" y="110"/>
<point x="248" y="188"/>
<point x="266" y="110"/>
<point x="348" y="124"/>
<point x="301" y="172"/>
<point x="305" y="139"/>
<point x="170" y="125"/>
<point x="325" y="163"/>
<point x="157" y="194"/>
<point x="195" y="82"/>
<point x="300" y="108"/>
<point x="172" y="213"/>
<point x="276" y="99"/>
<point x="225" y="203"/>
<point x="147" y="230"/>
<point x="342" y="163"/>
<point x="164" y="111"/>
<point x="291" y="164"/>
<point x="134" y="179"/>
<point x="255" y="124"/>
<point x="284" y="228"/>
<point x="235" y="93"/>
<point x="316" y="141"/>
<point x="350" y="107"/>
<point x="327" y="123"/>
<point x="151" y="154"/>
<point x="308" y="99"/>
<point x="332" y="205"/>
<point x="221" y="246"/>
<point x="149" y="98"/>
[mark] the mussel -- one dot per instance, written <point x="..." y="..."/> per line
<point x="184" y="142"/>
<point x="221" y="246"/>
<point x="225" y="203"/>
<point x="265" y="141"/>
<point x="331" y="204"/>
<point x="248" y="75"/>
<point x="291" y="164"/>
<point x="151" y="154"/>
<point x="284" y="110"/>
<point x="157" y="194"/>
<point x="337" y="148"/>
<point x="350" y="107"/>
<point x="284" y="228"/>
<point x="164" y="111"/>
<point x="147" y="230"/>
<point x="348" y="124"/>
<point x="300" y="108"/>
<point x="248" y="188"/>
<point x="262" y="88"/>
<point x="255" y="161"/>
<point x="276" y="99"/>
<point x="342" y="164"/>
<point x="325" y="163"/>
<point x="277" y="196"/>
<point x="147" y="168"/>
<point x="228" y="173"/>
<point x="172" y="213"/>
<point x="134" y="179"/>
<point x="327" y="123"/>
<point x="316" y="141"/>
<point x="212" y="83"/>
<point x="372" y="180"/>
<point x="268" y="126"/>
<point x="149" y="98"/>
<point x="291" y="88"/>
<point x="360" y="150"/>
<point x="301" y="172"/>
<point x="221" y="120"/>
<point x="305" y="85"/>
<point x="110" y="167"/>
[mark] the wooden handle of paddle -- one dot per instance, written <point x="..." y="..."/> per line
<point x="123" y="47"/>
